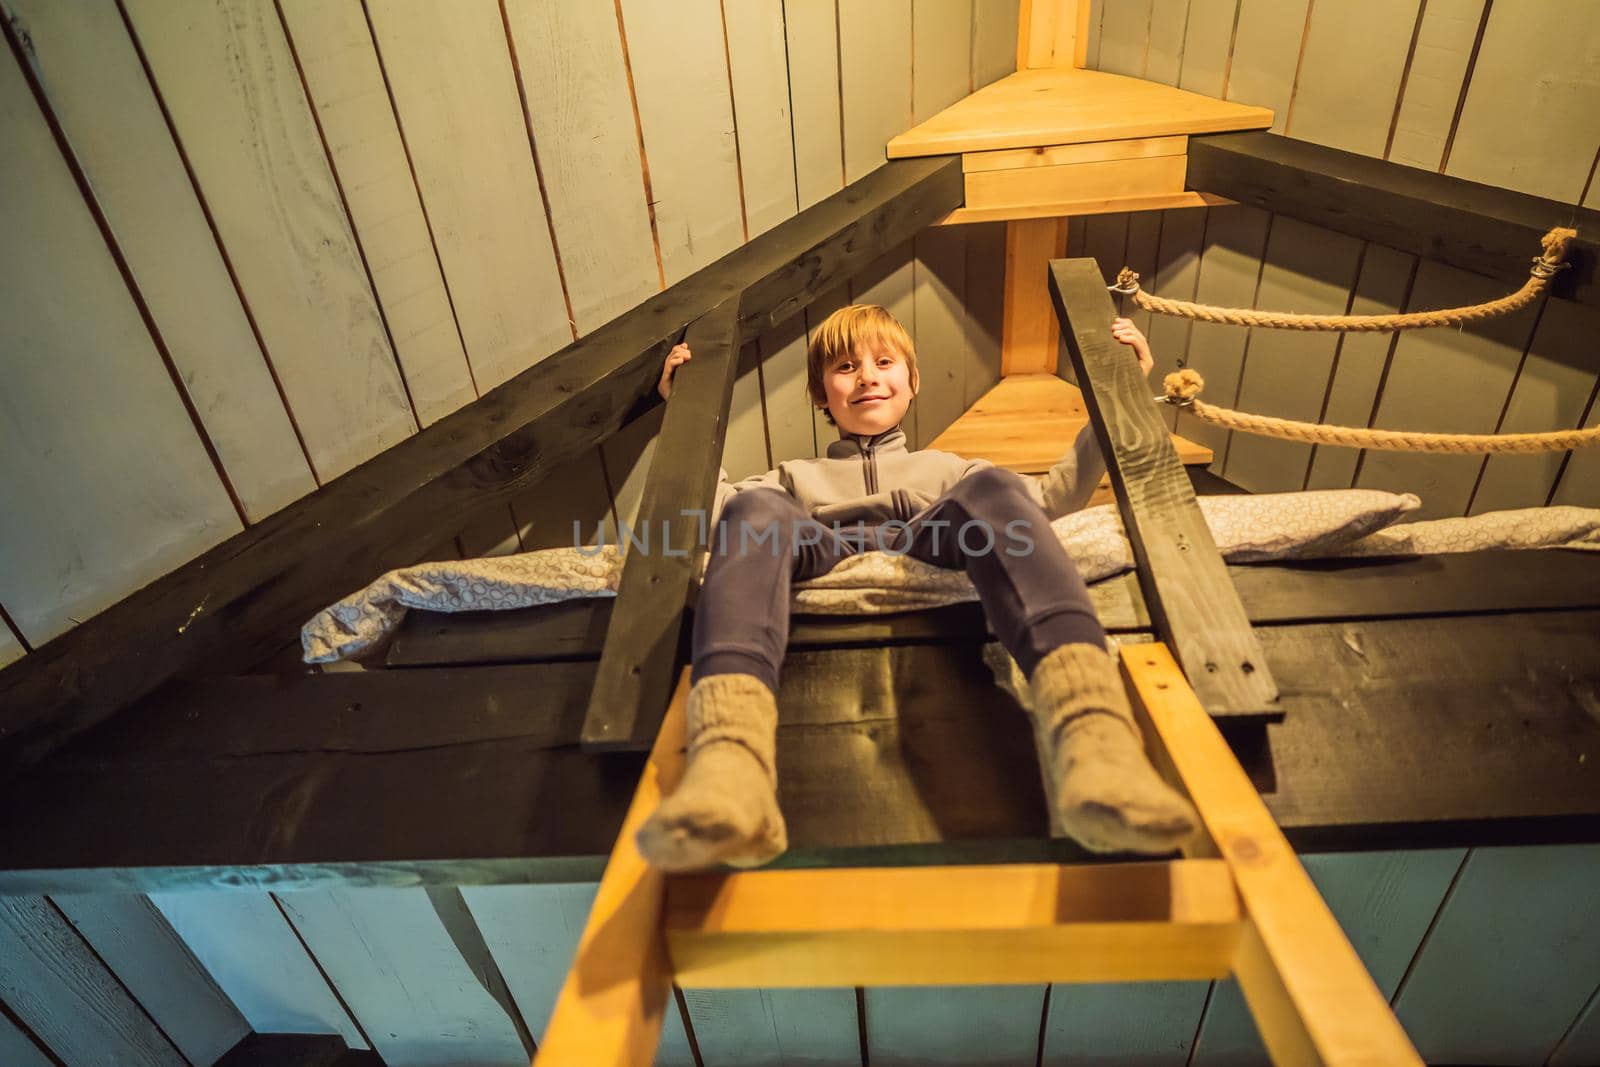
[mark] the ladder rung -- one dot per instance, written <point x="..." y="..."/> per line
<point x="1011" y="923"/>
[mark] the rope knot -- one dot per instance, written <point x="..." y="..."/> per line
<point x="1183" y="386"/>
<point x="1127" y="282"/>
<point x="1553" y="256"/>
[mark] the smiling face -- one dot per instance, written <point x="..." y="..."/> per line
<point x="869" y="389"/>
<point x="861" y="369"/>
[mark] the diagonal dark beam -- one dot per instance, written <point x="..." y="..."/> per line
<point x="1480" y="228"/>
<point x="641" y="648"/>
<point x="1191" y="600"/>
<point x="451" y="908"/>
<point x="244" y="599"/>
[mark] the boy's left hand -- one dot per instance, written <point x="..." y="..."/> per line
<point x="1125" y="331"/>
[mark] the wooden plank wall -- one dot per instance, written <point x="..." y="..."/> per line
<point x="252" y="247"/>
<point x="1443" y="85"/>
<point x="1488" y="955"/>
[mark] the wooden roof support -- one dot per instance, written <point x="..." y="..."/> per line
<point x="1480" y="228"/>
<point x="641" y="649"/>
<point x="241" y="601"/>
<point x="1186" y="588"/>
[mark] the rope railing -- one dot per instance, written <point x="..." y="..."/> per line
<point x="1183" y="389"/>
<point x="1552" y="258"/>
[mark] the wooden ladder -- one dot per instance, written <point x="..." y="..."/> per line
<point x="1239" y="903"/>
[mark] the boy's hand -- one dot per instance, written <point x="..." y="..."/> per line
<point x="1125" y="331"/>
<point x="678" y="355"/>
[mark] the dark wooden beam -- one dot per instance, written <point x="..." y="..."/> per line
<point x="242" y="600"/>
<point x="1186" y="588"/>
<point x="1400" y="733"/>
<point x="304" y="1050"/>
<point x="1464" y="583"/>
<point x="1480" y="228"/>
<point x="637" y="668"/>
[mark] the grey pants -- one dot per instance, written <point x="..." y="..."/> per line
<point x="987" y="524"/>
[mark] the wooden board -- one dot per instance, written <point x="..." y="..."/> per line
<point x="1534" y="135"/>
<point x="1349" y="78"/>
<point x="1208" y="46"/>
<point x="1429" y="95"/>
<point x="788" y="410"/>
<point x="890" y="753"/>
<point x="1286" y="374"/>
<point x="985" y="307"/>
<point x="875" y="79"/>
<point x="574" y="84"/>
<point x="1181" y="242"/>
<point x="1481" y="361"/>
<point x="1309" y="992"/>
<point x="1185" y="584"/>
<point x="909" y="1026"/>
<point x="402" y="976"/>
<point x="744" y="449"/>
<point x="1074" y="208"/>
<point x="941" y="55"/>
<point x="1360" y="361"/>
<point x="1110" y="180"/>
<point x="939" y="278"/>
<point x="1479" y="228"/>
<point x="1062" y="154"/>
<point x="1264" y="56"/>
<point x="113" y="122"/>
<point x="255" y="956"/>
<point x="232" y="607"/>
<point x="1052" y="34"/>
<point x="277" y="211"/>
<point x="775" y="1027"/>
<point x="1125" y="31"/>
<point x="994" y="41"/>
<point x="636" y="668"/>
<point x="67" y="997"/>
<point x="1065" y="106"/>
<point x="1509" y="963"/>
<point x="1027" y="422"/>
<point x="151" y="961"/>
<point x="1553" y="387"/>
<point x="678" y="56"/>
<point x="1384" y="902"/>
<point x="758" y="66"/>
<point x="11" y="649"/>
<point x="456" y="95"/>
<point x="333" y="46"/>
<point x="18" y="1048"/>
<point x="811" y="32"/>
<point x="1030" y="337"/>
<point x="107" y="483"/>
<point x="1581" y="1044"/>
<point x="1230" y="268"/>
<point x="1579" y="485"/>
<point x="1149" y="1023"/>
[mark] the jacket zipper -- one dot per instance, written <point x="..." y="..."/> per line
<point x="870" y="468"/>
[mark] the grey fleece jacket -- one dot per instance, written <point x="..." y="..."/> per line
<point x="874" y="478"/>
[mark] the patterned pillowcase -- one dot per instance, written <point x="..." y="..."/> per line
<point x="1267" y="526"/>
<point x="1567" y="527"/>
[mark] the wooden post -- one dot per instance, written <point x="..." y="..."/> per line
<point x="635" y="675"/>
<point x="1311" y="996"/>
<point x="1030" y="335"/>
<point x="1052" y="33"/>
<point x="610" y="1007"/>
<point x="1185" y="583"/>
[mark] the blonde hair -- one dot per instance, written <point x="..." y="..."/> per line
<point x="849" y="328"/>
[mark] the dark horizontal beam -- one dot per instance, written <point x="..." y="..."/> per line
<point x="244" y="599"/>
<point x="1479" y="228"/>
<point x="1463" y="583"/>
<point x="887" y="755"/>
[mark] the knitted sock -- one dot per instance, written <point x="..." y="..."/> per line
<point x="725" y="810"/>
<point x="1108" y="796"/>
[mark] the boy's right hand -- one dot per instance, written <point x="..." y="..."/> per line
<point x="678" y="355"/>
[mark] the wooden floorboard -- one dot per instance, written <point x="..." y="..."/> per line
<point x="1405" y="733"/>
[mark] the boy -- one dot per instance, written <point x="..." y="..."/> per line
<point x="869" y="492"/>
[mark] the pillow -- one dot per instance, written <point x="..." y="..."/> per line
<point x="1552" y="527"/>
<point x="1268" y="526"/>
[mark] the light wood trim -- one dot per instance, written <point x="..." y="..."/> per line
<point x="610" y="1007"/>
<point x="1052" y="33"/>
<point x="1312" y="998"/>
<point x="1112" y="179"/>
<point x="1070" y="208"/>
<point x="952" y="925"/>
<point x="1061" y="105"/>
<point x="1055" y="154"/>
<point x="1029" y="331"/>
